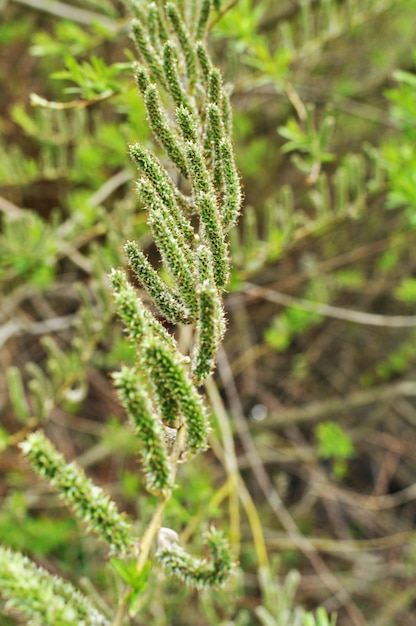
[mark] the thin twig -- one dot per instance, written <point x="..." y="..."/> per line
<point x="110" y="186"/>
<point x="320" y="410"/>
<point x="327" y="310"/>
<point x="67" y="12"/>
<point x="38" y="101"/>
<point x="333" y="546"/>
<point x="231" y="466"/>
<point x="10" y="209"/>
<point x="17" y="327"/>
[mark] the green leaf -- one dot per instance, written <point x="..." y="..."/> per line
<point x="125" y="569"/>
<point x="406" y="291"/>
<point x="138" y="588"/>
<point x="137" y="579"/>
<point x="333" y="442"/>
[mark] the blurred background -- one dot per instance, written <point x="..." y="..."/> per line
<point x="317" y="373"/>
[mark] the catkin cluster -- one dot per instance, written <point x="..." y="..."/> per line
<point x="192" y="197"/>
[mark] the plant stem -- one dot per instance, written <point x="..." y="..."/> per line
<point x="151" y="531"/>
<point x="157" y="517"/>
<point x="153" y="526"/>
<point x="238" y="487"/>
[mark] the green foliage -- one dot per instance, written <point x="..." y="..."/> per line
<point x="335" y="444"/>
<point x="399" y="157"/>
<point x="29" y="250"/>
<point x="279" y="609"/>
<point x="17" y="393"/>
<point x="287" y="325"/>
<point x="92" y="78"/>
<point x="67" y="38"/>
<point x="406" y="291"/>
<point x="333" y="441"/>
<point x="311" y="140"/>
<point x="398" y="361"/>
<point x="136" y="580"/>
<point x="89" y="503"/>
<point x="320" y="619"/>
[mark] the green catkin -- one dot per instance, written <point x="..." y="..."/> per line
<point x="41" y="597"/>
<point x="203" y="19"/>
<point x="130" y="309"/>
<point x="176" y="394"/>
<point x="201" y="180"/>
<point x="214" y="86"/>
<point x="210" y="326"/>
<point x="148" y="429"/>
<point x="170" y="66"/>
<point x="232" y="187"/>
<point x="136" y="9"/>
<point x="165" y="372"/>
<point x="88" y="501"/>
<point x="163" y="32"/>
<point x="205" y="201"/>
<point x="153" y="27"/>
<point x="161" y="130"/>
<point x="197" y="572"/>
<point x="192" y="16"/>
<point x="185" y="42"/>
<point x="177" y="223"/>
<point x="163" y="185"/>
<point x="181" y="4"/>
<point x="167" y="301"/>
<point x="216" y="135"/>
<point x="174" y="258"/>
<point x="142" y="78"/>
<point x="148" y="53"/>
<point x="137" y="319"/>
<point x="204" y="62"/>
<point x="186" y="123"/>
<point x="209" y="332"/>
<point x="158" y="15"/>
<point x="215" y="238"/>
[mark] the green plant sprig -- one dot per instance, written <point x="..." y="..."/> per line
<point x="42" y="597"/>
<point x="88" y="501"/>
<point x="189" y="217"/>
<point x="190" y="231"/>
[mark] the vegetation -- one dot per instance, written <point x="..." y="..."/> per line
<point x="262" y="402"/>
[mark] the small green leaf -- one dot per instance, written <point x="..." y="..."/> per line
<point x="17" y="394"/>
<point x="124" y="569"/>
<point x="406" y="291"/>
<point x="138" y="588"/>
<point x="134" y="601"/>
<point x="333" y="442"/>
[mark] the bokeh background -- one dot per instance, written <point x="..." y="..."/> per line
<point x="317" y="372"/>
